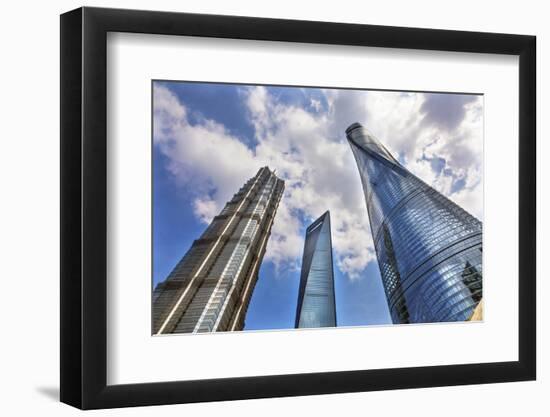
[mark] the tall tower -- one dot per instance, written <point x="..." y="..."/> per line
<point x="316" y="304"/>
<point x="210" y="288"/>
<point x="429" y="249"/>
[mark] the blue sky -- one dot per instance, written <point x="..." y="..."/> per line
<point x="210" y="138"/>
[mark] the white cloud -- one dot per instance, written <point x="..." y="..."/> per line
<point x="204" y="156"/>
<point x="447" y="153"/>
<point x="309" y="151"/>
<point x="205" y="209"/>
<point x="315" y="104"/>
<point x="320" y="174"/>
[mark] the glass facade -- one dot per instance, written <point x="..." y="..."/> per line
<point x="316" y="303"/>
<point x="429" y="249"/>
<point x="210" y="288"/>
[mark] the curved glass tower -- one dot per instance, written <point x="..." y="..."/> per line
<point x="316" y="305"/>
<point x="429" y="249"/>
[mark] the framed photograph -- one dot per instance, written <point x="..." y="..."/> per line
<point x="256" y="208"/>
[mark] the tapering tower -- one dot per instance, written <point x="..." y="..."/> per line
<point x="429" y="249"/>
<point x="316" y="304"/>
<point x="210" y="288"/>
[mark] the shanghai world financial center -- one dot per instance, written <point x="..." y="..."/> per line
<point x="428" y="248"/>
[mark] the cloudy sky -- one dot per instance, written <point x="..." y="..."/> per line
<point x="210" y="138"/>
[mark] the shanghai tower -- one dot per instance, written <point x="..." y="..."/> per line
<point x="210" y="287"/>
<point x="429" y="249"/>
<point x="316" y="304"/>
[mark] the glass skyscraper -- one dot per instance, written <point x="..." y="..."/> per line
<point x="316" y="304"/>
<point x="429" y="249"/>
<point x="210" y="288"/>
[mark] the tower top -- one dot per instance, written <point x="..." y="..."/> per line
<point x="353" y="126"/>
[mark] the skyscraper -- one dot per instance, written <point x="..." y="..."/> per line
<point x="316" y="305"/>
<point x="210" y="288"/>
<point x="429" y="249"/>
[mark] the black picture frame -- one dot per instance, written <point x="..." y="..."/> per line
<point x="84" y="207"/>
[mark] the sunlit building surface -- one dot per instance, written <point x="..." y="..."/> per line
<point x="316" y="303"/>
<point x="210" y="288"/>
<point x="429" y="249"/>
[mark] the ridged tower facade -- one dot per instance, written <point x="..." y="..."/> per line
<point x="210" y="288"/>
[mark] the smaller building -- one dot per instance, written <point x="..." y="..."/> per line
<point x="316" y="302"/>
